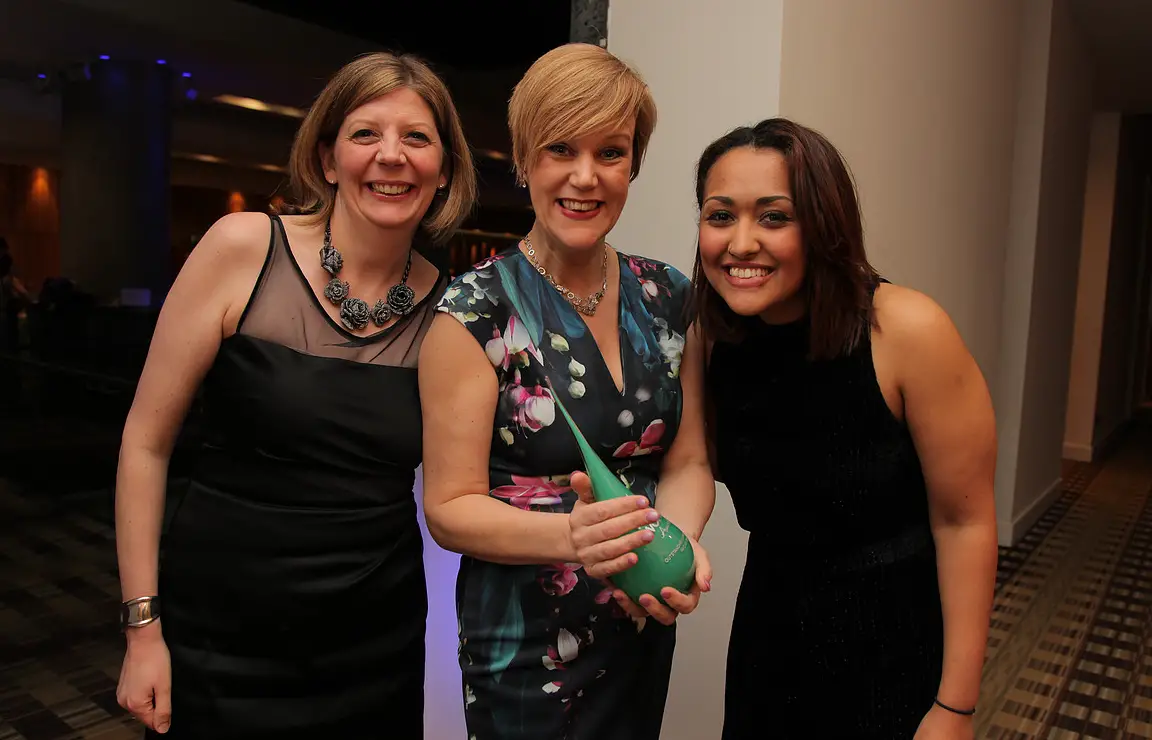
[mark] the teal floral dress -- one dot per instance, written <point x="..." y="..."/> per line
<point x="546" y="653"/>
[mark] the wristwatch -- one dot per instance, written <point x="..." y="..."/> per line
<point x="139" y="612"/>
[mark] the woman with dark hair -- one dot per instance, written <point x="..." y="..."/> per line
<point x="856" y="435"/>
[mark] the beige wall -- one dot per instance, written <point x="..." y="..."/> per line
<point x="711" y="67"/>
<point x="987" y="225"/>
<point x="1044" y="316"/>
<point x="920" y="98"/>
<point x="1095" y="247"/>
<point x="966" y="125"/>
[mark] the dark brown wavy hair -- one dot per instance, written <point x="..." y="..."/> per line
<point x="839" y="282"/>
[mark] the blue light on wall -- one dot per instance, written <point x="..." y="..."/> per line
<point x="186" y="74"/>
<point x="161" y="61"/>
<point x="105" y="57"/>
<point x="190" y="94"/>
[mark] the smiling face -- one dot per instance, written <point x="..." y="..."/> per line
<point x="388" y="160"/>
<point x="750" y="246"/>
<point x="579" y="186"/>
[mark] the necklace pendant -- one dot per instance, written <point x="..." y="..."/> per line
<point x="336" y="291"/>
<point x="401" y="299"/>
<point x="331" y="259"/>
<point x="381" y="313"/>
<point x="354" y="314"/>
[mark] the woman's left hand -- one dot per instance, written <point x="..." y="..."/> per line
<point x="940" y="724"/>
<point x="678" y="602"/>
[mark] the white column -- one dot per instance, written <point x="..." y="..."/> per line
<point x="712" y="67"/>
<point x="1052" y="132"/>
<point x="1091" y="290"/>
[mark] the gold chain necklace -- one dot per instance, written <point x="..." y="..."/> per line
<point x="586" y="306"/>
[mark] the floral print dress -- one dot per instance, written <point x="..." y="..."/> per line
<point x="545" y="652"/>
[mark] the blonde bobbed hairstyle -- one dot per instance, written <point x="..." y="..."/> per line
<point x="572" y="91"/>
<point x="362" y="81"/>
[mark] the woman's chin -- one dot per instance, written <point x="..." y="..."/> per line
<point x="746" y="305"/>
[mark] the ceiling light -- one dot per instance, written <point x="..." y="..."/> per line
<point x="212" y="158"/>
<point x="260" y="105"/>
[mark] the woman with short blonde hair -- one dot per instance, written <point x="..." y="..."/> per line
<point x="548" y="647"/>
<point x="571" y="92"/>
<point x="292" y="575"/>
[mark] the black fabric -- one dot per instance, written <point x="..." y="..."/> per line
<point x="838" y="629"/>
<point x="292" y="573"/>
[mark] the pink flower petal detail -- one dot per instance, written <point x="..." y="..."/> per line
<point x="653" y="433"/>
<point x="625" y="450"/>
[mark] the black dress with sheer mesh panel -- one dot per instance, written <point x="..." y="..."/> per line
<point x="292" y="578"/>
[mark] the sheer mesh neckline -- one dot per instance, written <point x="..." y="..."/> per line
<point x="366" y="338"/>
<point x="285" y="310"/>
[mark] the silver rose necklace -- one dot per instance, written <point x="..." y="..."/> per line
<point x="354" y="313"/>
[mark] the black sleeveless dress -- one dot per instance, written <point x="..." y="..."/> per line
<point x="838" y="629"/>
<point x="292" y="576"/>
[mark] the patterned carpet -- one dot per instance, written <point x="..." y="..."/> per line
<point x="1070" y="653"/>
<point x="59" y="648"/>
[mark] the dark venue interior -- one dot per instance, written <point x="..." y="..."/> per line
<point x="239" y="77"/>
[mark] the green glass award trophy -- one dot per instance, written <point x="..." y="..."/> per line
<point x="666" y="561"/>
